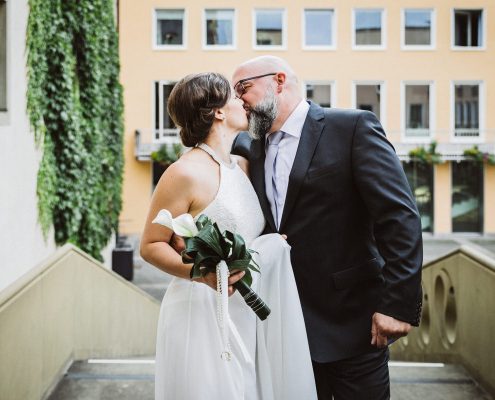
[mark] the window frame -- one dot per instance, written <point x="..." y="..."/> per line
<point x="432" y="110"/>
<point x="433" y="35"/>
<point x="372" y="47"/>
<point x="162" y="131"/>
<point x="221" y="47"/>
<point x="481" y="112"/>
<point x="483" y="29"/>
<point x="383" y="97"/>
<point x="169" y="47"/>
<point x="482" y="197"/>
<point x="330" y="47"/>
<point x="331" y="83"/>
<point x="277" y="47"/>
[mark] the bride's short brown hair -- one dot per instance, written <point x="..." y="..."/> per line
<point x="192" y="104"/>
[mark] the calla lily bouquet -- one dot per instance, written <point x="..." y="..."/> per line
<point x="207" y="246"/>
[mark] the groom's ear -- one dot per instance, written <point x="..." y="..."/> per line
<point x="281" y="78"/>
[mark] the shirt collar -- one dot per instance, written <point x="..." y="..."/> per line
<point x="294" y="124"/>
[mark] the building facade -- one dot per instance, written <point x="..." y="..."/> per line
<point x="424" y="68"/>
<point x="22" y="245"/>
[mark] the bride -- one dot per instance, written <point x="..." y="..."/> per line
<point x="269" y="359"/>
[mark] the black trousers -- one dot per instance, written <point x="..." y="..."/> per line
<point x="361" y="377"/>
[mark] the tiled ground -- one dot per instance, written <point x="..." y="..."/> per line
<point x="86" y="381"/>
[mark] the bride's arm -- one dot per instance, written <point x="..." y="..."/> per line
<point x="174" y="192"/>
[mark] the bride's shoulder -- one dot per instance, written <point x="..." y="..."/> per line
<point x="190" y="167"/>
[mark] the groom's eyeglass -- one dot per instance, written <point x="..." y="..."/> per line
<point x="239" y="87"/>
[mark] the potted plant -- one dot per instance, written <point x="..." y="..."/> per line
<point x="163" y="157"/>
<point x="476" y="155"/>
<point x="426" y="156"/>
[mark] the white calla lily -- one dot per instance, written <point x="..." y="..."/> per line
<point x="164" y="217"/>
<point x="185" y="226"/>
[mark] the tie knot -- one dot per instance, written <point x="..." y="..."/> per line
<point x="275" y="138"/>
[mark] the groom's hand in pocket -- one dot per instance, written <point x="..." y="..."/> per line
<point x="385" y="329"/>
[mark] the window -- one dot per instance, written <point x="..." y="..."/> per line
<point x="467" y="196"/>
<point x="417" y="28"/>
<point x="3" y="56"/>
<point x="319" y="93"/>
<point x="269" y="28"/>
<point x="368" y="97"/>
<point x="467" y="110"/>
<point x="420" y="178"/>
<point x="319" y="29"/>
<point x="219" y="28"/>
<point x="170" y="29"/>
<point x="164" y="126"/>
<point x="369" y="29"/>
<point x="468" y="28"/>
<point x="417" y="110"/>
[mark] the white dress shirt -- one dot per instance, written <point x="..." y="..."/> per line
<point x="287" y="149"/>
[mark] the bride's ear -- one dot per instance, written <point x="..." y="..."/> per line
<point x="220" y="114"/>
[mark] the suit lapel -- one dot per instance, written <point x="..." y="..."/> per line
<point x="310" y="135"/>
<point x="257" y="170"/>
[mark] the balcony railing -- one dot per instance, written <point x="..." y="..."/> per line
<point x="150" y="140"/>
<point x="467" y="132"/>
<point x="417" y="133"/>
<point x="448" y="151"/>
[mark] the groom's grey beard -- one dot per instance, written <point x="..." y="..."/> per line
<point x="262" y="115"/>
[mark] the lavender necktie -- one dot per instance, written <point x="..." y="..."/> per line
<point x="273" y="141"/>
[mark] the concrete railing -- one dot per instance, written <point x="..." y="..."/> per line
<point x="69" y="308"/>
<point x="458" y="324"/>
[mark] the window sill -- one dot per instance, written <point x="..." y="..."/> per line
<point x="468" y="48"/>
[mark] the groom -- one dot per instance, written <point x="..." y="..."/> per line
<point x="330" y="180"/>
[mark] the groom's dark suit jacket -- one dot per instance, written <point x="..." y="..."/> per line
<point x="353" y="226"/>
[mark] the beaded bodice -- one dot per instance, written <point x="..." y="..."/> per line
<point x="235" y="207"/>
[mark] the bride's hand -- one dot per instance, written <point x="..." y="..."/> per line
<point x="177" y="242"/>
<point x="210" y="279"/>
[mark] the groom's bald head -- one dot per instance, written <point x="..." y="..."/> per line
<point x="269" y="89"/>
<point x="264" y="64"/>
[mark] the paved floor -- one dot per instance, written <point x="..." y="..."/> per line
<point x="85" y="381"/>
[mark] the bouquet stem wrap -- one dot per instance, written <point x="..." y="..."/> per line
<point x="252" y="300"/>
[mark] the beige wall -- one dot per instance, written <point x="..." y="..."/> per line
<point x="442" y="206"/>
<point x="141" y="65"/>
<point x="68" y="308"/>
<point x="458" y="320"/>
<point x="489" y="200"/>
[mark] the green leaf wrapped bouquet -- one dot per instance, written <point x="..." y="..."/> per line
<point x="207" y="247"/>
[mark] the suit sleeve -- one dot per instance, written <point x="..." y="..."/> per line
<point x="383" y="186"/>
<point x="241" y="146"/>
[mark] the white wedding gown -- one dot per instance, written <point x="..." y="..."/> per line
<point x="270" y="359"/>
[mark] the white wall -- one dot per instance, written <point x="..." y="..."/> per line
<point x="21" y="242"/>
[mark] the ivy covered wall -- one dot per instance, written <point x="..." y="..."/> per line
<point x="75" y="107"/>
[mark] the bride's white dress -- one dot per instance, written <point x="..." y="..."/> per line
<point x="270" y="359"/>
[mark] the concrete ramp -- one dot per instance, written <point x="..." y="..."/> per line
<point x="68" y="308"/>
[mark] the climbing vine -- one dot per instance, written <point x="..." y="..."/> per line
<point x="74" y="103"/>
